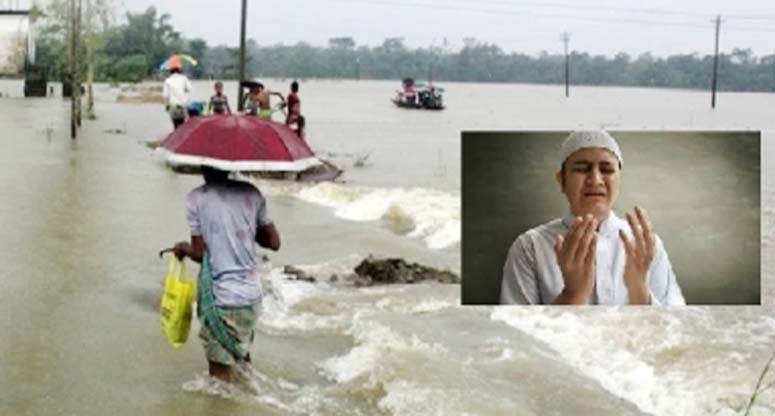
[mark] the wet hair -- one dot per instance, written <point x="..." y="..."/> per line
<point x="295" y="86"/>
<point x="213" y="175"/>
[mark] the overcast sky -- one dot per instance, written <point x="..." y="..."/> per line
<point x="595" y="26"/>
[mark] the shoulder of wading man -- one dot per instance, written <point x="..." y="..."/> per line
<point x="228" y="216"/>
<point x="226" y="208"/>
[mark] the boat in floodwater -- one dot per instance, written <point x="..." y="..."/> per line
<point x="419" y="96"/>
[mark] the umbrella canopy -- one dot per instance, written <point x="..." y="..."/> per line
<point x="177" y="61"/>
<point x="238" y="143"/>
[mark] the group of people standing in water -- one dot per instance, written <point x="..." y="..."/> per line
<point x="177" y="89"/>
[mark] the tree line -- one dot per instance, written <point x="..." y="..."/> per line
<point x="132" y="51"/>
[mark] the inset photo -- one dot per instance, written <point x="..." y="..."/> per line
<point x="611" y="217"/>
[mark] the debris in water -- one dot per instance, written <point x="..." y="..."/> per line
<point x="362" y="160"/>
<point x="396" y="270"/>
<point x="153" y="144"/>
<point x="372" y="271"/>
<point x="298" y="274"/>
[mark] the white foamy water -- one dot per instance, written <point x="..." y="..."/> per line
<point x="688" y="362"/>
<point x="78" y="252"/>
<point x="429" y="215"/>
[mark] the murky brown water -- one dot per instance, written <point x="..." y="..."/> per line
<point x="80" y="281"/>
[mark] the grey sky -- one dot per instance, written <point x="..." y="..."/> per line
<point x="514" y="25"/>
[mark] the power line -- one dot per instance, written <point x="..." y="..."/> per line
<point x="495" y="11"/>
<point x="515" y="13"/>
<point x="635" y="10"/>
<point x="594" y="7"/>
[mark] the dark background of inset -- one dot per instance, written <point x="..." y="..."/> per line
<point x="701" y="190"/>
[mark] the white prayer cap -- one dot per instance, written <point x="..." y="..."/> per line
<point x="583" y="139"/>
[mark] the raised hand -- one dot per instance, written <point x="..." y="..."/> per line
<point x="576" y="258"/>
<point x="640" y="251"/>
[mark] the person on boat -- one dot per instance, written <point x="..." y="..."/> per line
<point x="409" y="94"/>
<point x="226" y="218"/>
<point x="219" y="103"/>
<point x="176" y="90"/>
<point x="591" y="256"/>
<point x="293" y="100"/>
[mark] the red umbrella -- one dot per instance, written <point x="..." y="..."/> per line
<point x="238" y="143"/>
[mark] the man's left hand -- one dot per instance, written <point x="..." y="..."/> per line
<point x="640" y="251"/>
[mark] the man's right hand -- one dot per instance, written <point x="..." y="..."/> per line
<point x="576" y="254"/>
<point x="181" y="249"/>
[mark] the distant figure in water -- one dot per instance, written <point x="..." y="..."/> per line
<point x="219" y="103"/>
<point x="226" y="218"/>
<point x="252" y="100"/>
<point x="293" y="99"/>
<point x="264" y="108"/>
<point x="295" y="120"/>
<point x="176" y="90"/>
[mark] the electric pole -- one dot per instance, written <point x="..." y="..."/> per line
<point x="240" y="98"/>
<point x="77" y="75"/>
<point x="565" y="37"/>
<point x="89" y="61"/>
<point x="715" y="65"/>
<point x="71" y="66"/>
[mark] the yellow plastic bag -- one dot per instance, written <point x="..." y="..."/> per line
<point x="176" y="308"/>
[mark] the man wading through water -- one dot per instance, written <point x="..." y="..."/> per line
<point x="226" y="217"/>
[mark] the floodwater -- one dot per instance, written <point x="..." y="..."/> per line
<point x="80" y="279"/>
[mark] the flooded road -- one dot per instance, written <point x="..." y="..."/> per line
<point x="80" y="279"/>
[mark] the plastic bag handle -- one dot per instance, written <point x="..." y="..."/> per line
<point x="176" y="267"/>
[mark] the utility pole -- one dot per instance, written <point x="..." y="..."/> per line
<point x="565" y="37"/>
<point x="358" y="68"/>
<point x="430" y="67"/>
<point x="430" y="71"/>
<point x="715" y="65"/>
<point x="90" y="60"/>
<point x="77" y="76"/>
<point x="240" y="97"/>
<point x="71" y="67"/>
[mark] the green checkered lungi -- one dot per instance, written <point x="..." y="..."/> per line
<point x="227" y="332"/>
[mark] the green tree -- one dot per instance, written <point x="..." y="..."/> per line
<point x="145" y="34"/>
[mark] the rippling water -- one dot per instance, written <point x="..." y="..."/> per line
<point x="80" y="280"/>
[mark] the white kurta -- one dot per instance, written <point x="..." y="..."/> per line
<point x="531" y="274"/>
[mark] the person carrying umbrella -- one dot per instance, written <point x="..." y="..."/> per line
<point x="176" y="90"/>
<point x="226" y="218"/>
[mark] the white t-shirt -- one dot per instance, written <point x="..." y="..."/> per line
<point x="176" y="89"/>
<point x="227" y="216"/>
